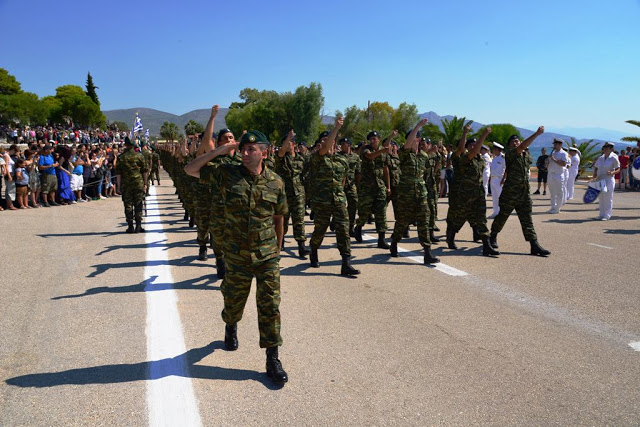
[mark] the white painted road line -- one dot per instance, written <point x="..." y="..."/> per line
<point x="413" y="256"/>
<point x="599" y="246"/>
<point x="635" y="345"/>
<point x="171" y="400"/>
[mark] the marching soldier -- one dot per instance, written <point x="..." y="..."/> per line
<point x="132" y="172"/>
<point x="351" y="182"/>
<point x="255" y="204"/>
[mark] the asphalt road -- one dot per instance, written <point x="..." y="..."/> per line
<point x="513" y="340"/>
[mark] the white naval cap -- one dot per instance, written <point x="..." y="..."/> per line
<point x="500" y="146"/>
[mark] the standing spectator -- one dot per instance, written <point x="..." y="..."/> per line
<point x="624" y="169"/>
<point x="574" y="156"/>
<point x="32" y="158"/>
<point x="48" y="180"/>
<point x="9" y="177"/>
<point x="605" y="168"/>
<point x="77" y="180"/>
<point x="556" y="164"/>
<point x="541" y="164"/>
<point x="22" y="184"/>
<point x="3" y="167"/>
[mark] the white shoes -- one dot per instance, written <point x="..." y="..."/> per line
<point x="553" y="211"/>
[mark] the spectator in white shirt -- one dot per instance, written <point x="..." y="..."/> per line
<point x="557" y="161"/>
<point x="606" y="168"/>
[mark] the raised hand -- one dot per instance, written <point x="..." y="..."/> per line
<point x="423" y="122"/>
<point x="214" y="110"/>
<point x="291" y="134"/>
<point x="394" y="134"/>
<point x="466" y="129"/>
<point x="227" y="148"/>
<point x="487" y="130"/>
<point x="540" y="130"/>
<point x="339" y="122"/>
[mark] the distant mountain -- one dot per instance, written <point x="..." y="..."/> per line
<point x="153" y="119"/>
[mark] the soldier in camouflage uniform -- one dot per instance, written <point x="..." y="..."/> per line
<point x="394" y="174"/>
<point x="289" y="166"/>
<point x="270" y="161"/>
<point x="471" y="202"/>
<point x="431" y="179"/>
<point x="155" y="167"/>
<point x="329" y="200"/>
<point x="516" y="193"/>
<point x="351" y="182"/>
<point x="255" y="205"/>
<point x="412" y="195"/>
<point x="132" y="173"/>
<point x="146" y="153"/>
<point x="375" y="187"/>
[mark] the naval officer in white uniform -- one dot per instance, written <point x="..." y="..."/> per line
<point x="557" y="165"/>
<point x="606" y="168"/>
<point x="497" y="172"/>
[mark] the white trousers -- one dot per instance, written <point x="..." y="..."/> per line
<point x="565" y="195"/>
<point x="571" y="182"/>
<point x="496" y="190"/>
<point x="485" y="182"/>
<point x="606" y="199"/>
<point x="556" y="190"/>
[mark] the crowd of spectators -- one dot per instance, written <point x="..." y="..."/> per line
<point x="59" y="134"/>
<point x="625" y="177"/>
<point x="52" y="174"/>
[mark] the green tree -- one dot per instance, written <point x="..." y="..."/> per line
<point x="24" y="108"/>
<point x="119" y="126"/>
<point x="452" y="130"/>
<point x="433" y="132"/>
<point x="632" y="138"/>
<point x="500" y="133"/>
<point x="169" y="131"/>
<point x="76" y="107"/>
<point x="302" y="109"/>
<point x="193" y="128"/>
<point x="404" y="118"/>
<point x="91" y="89"/>
<point x="8" y="83"/>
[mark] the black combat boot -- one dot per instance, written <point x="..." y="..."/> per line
<point x="493" y="241"/>
<point x="221" y="267"/>
<point x="313" y="259"/>
<point x="393" y="249"/>
<point x="370" y="219"/>
<point x="302" y="250"/>
<point x="202" y="254"/>
<point x="428" y="258"/>
<point x="274" y="367"/>
<point x="536" y="249"/>
<point x="332" y="225"/>
<point x="433" y="237"/>
<point x="186" y="216"/>
<point x="487" y="250"/>
<point x="357" y="234"/>
<point x="451" y="235"/>
<point x="476" y="236"/>
<point x="351" y="232"/>
<point x="231" y="337"/>
<point x="191" y="222"/>
<point x="346" y="269"/>
<point x="311" y="215"/>
<point x="405" y="234"/>
<point x="436" y="228"/>
<point x="130" y="229"/>
<point x="139" y="228"/>
<point x="381" y="243"/>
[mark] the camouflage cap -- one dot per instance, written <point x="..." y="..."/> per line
<point x="254" y="137"/>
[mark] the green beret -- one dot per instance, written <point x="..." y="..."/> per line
<point x="255" y="137"/>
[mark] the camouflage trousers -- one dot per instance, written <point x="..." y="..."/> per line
<point x="432" y="201"/>
<point x="154" y="174"/>
<point x="373" y="201"/>
<point x="468" y="205"/>
<point x="203" y="219"/>
<point x="216" y="226"/>
<point x="132" y="200"/>
<point x="235" y="291"/>
<point x="296" y="213"/>
<point x="352" y="204"/>
<point x="412" y="208"/>
<point x="520" y="200"/>
<point x="322" y="217"/>
<point x="393" y="198"/>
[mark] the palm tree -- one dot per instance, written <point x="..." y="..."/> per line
<point x="589" y="153"/>
<point x="169" y="131"/>
<point x="452" y="130"/>
<point x="632" y="138"/>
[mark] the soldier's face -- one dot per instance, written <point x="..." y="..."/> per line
<point x="253" y="154"/>
<point x="375" y="142"/>
<point x="226" y="138"/>
<point x="346" y="148"/>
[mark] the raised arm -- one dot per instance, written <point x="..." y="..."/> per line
<point x="412" y="142"/>
<point x="527" y="142"/>
<point x="463" y="140"/>
<point x="207" y="145"/>
<point x="194" y="166"/>
<point x="476" y="148"/>
<point x="286" y="144"/>
<point x="328" y="146"/>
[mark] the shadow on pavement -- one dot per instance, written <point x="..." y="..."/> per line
<point x="198" y="283"/>
<point x="159" y="244"/>
<point x="627" y="232"/>
<point x="183" y="365"/>
<point x="185" y="260"/>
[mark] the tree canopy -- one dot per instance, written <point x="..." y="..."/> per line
<point x="91" y="90"/>
<point x="193" y="128"/>
<point x="170" y="131"/>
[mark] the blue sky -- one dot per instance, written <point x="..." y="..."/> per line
<point x="561" y="63"/>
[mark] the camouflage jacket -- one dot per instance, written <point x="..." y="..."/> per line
<point x="329" y="172"/>
<point x="431" y="174"/>
<point x="517" y="168"/>
<point x="290" y="170"/>
<point x="250" y="202"/>
<point x="373" y="171"/>
<point x="394" y="170"/>
<point x="207" y="175"/>
<point x="469" y="172"/>
<point x="131" y="167"/>
<point x="354" y="162"/>
<point x="412" y="167"/>
<point x="155" y="157"/>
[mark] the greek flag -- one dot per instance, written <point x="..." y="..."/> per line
<point x="137" y="127"/>
<point x="146" y="133"/>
